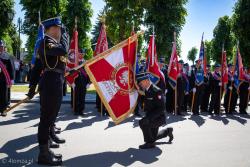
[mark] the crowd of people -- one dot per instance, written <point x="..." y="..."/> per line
<point x="206" y="97"/>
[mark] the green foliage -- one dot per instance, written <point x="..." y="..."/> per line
<point x="6" y="15"/>
<point x="241" y="24"/>
<point x="222" y="35"/>
<point x="208" y="51"/>
<point x="192" y="54"/>
<point x="83" y="11"/>
<point x="121" y="16"/>
<point x="47" y="8"/>
<point x="167" y="16"/>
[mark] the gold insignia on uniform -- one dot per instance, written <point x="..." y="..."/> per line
<point x="51" y="45"/>
<point x="63" y="59"/>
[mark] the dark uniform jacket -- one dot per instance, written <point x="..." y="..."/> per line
<point x="154" y="106"/>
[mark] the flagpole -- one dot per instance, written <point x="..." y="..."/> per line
<point x="153" y="48"/>
<point x="76" y="63"/>
<point x="221" y="87"/>
<point x="176" y="80"/>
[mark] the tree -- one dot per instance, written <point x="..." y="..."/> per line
<point x="6" y="15"/>
<point x="241" y="24"/>
<point x="208" y="50"/>
<point x="47" y="8"/>
<point x="121" y="16"/>
<point x="83" y="11"/>
<point x="222" y="34"/>
<point x="192" y="54"/>
<point x="167" y="16"/>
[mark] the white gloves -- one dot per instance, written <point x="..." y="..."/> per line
<point x="87" y="86"/>
<point x="232" y="78"/>
<point x="194" y="90"/>
<point x="0" y="70"/>
<point x="220" y="84"/>
<point x="230" y="88"/>
<point x="166" y="91"/>
<point x="186" y="93"/>
<point x="12" y="82"/>
<point x="249" y="88"/>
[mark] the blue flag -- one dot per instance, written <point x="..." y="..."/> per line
<point x="199" y="78"/>
<point x="40" y="37"/>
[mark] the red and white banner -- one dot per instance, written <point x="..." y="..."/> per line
<point x="102" y="42"/>
<point x="152" y="61"/>
<point x="173" y="68"/>
<point x="224" y="69"/>
<point x="112" y="73"/>
<point x="73" y="59"/>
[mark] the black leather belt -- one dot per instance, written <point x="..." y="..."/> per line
<point x="54" y="70"/>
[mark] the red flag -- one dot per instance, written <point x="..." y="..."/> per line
<point x="173" y="69"/>
<point x="73" y="59"/>
<point x="102" y="42"/>
<point x="224" y="69"/>
<point x="152" y="61"/>
<point x="112" y="75"/>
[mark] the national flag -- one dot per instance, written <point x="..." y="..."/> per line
<point x="102" y="42"/>
<point x="112" y="73"/>
<point x="201" y="68"/>
<point x="155" y="73"/>
<point x="173" y="68"/>
<point x="73" y="59"/>
<point x="40" y="37"/>
<point x="224" y="69"/>
<point x="239" y="69"/>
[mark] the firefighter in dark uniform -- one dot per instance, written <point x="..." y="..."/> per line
<point x="191" y="79"/>
<point x="4" y="82"/>
<point x="206" y="90"/>
<point x="187" y="87"/>
<point x="169" y="92"/>
<point x="154" y="109"/>
<point x="81" y="84"/>
<point x="231" y="91"/>
<point x="216" y="89"/>
<point x="52" y="51"/>
<point x="180" y="89"/>
<point x="197" y="91"/>
<point x="244" y="92"/>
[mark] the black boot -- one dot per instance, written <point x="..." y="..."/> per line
<point x="170" y="134"/>
<point x="45" y="157"/>
<point x="53" y="144"/>
<point x="147" y="146"/>
<point x="55" y="138"/>
<point x="4" y="114"/>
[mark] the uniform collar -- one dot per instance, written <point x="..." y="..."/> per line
<point x="51" y="38"/>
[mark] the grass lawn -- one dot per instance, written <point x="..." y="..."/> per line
<point x="25" y="88"/>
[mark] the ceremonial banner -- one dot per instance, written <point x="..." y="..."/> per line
<point x="201" y="66"/>
<point x="112" y="73"/>
<point x="239" y="71"/>
<point x="173" y="68"/>
<point x="224" y="69"/>
<point x="102" y="42"/>
<point x="40" y="37"/>
<point x="73" y="59"/>
<point x="152" y="63"/>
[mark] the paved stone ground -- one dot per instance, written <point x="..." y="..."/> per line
<point x="94" y="141"/>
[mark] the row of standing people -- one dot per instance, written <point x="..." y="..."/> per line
<point x="207" y="96"/>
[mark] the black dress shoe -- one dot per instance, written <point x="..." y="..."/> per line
<point x="46" y="157"/>
<point x="4" y="114"/>
<point x="170" y="134"/>
<point x="147" y="146"/>
<point x="53" y="144"/>
<point x="57" y="156"/>
<point x="58" y="140"/>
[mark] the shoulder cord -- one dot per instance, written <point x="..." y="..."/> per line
<point x="44" y="52"/>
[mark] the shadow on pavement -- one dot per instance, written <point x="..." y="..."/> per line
<point x="197" y="119"/>
<point x="20" y="152"/>
<point x="124" y="158"/>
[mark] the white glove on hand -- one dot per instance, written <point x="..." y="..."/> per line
<point x="230" y="88"/>
<point x="166" y="91"/>
<point x="186" y="93"/>
<point x="87" y="86"/>
<point x="232" y="78"/>
<point x="12" y="82"/>
<point x="0" y="70"/>
<point x="194" y="90"/>
<point x="249" y="88"/>
<point x="220" y="84"/>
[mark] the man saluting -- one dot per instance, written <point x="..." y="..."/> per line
<point x="154" y="108"/>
